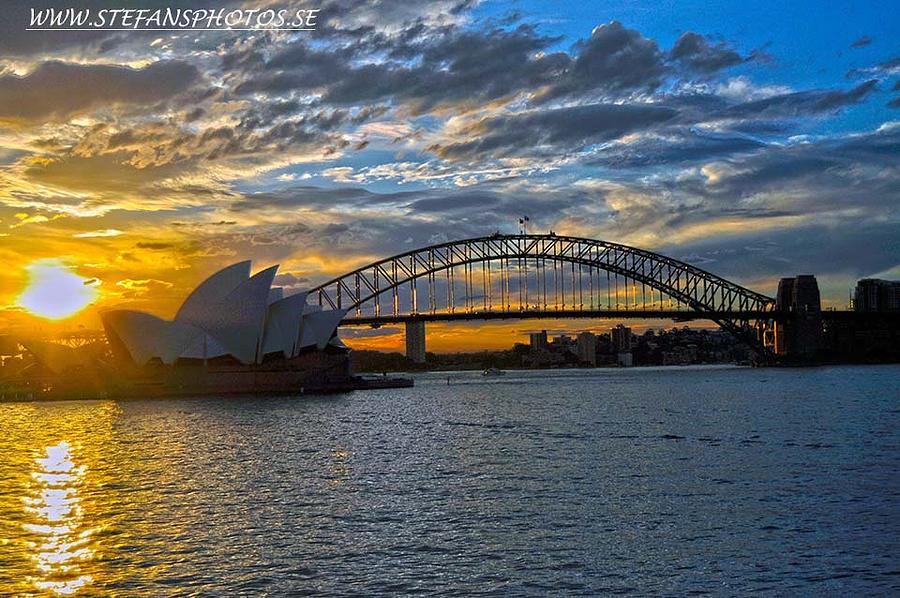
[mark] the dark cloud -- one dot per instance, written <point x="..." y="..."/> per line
<point x="290" y="280"/>
<point x="427" y="215"/>
<point x="194" y="114"/>
<point x="865" y="40"/>
<point x="895" y="103"/>
<point x="837" y="183"/>
<point x="353" y="19"/>
<point x="434" y="67"/>
<point x="801" y="103"/>
<point x="832" y="174"/>
<point x="477" y="204"/>
<point x="154" y="246"/>
<point x="811" y="248"/>
<point x="464" y="202"/>
<point x="695" y="51"/>
<point x="613" y="60"/>
<point x="353" y="333"/>
<point x="296" y="67"/>
<point x="675" y="147"/>
<point x="877" y="148"/>
<point x="318" y="197"/>
<point x="838" y="99"/>
<point x="887" y="68"/>
<point x="554" y="131"/>
<point x="762" y="127"/>
<point x="58" y="89"/>
<point x="455" y="67"/>
<point x="108" y="155"/>
<point x="198" y="225"/>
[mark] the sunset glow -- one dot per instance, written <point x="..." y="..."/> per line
<point x="449" y="297"/>
<point x="55" y="292"/>
<point x="149" y="166"/>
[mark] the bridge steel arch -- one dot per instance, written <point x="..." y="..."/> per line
<point x="695" y="288"/>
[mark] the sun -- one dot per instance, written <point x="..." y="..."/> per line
<point x="54" y="291"/>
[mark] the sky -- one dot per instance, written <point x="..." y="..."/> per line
<point x="752" y="139"/>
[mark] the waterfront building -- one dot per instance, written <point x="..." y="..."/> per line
<point x="621" y="339"/>
<point x="563" y="343"/>
<point x="538" y="341"/>
<point x="415" y="340"/>
<point x="232" y="317"/>
<point x="876" y="295"/>
<point x="586" y="348"/>
<point x="234" y="333"/>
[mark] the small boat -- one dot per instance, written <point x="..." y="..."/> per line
<point x="493" y="372"/>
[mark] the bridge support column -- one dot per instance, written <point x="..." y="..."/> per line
<point x="415" y="340"/>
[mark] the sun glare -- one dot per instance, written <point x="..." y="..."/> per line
<point x="54" y="291"/>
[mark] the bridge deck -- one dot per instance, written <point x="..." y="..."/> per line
<point x="612" y="314"/>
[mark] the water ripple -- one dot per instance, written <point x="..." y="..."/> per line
<point x="689" y="481"/>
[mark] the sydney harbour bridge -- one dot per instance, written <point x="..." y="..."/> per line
<point x="525" y="276"/>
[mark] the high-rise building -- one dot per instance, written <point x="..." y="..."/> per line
<point x="415" y="340"/>
<point x="538" y="341"/>
<point x="620" y="337"/>
<point x="563" y="342"/>
<point x="873" y="294"/>
<point x="586" y="348"/>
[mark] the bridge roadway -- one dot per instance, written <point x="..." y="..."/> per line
<point x="678" y="315"/>
<point x="539" y="314"/>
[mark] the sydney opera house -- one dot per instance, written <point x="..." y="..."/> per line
<point x="234" y="333"/>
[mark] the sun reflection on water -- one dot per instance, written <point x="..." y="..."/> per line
<point x="62" y="543"/>
<point x="341" y="467"/>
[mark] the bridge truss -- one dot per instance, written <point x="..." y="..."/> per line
<point x="542" y="275"/>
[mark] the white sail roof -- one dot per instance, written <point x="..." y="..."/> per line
<point x="307" y="309"/>
<point x="195" y="309"/>
<point x="204" y="346"/>
<point x="237" y="320"/>
<point x="283" y="325"/>
<point x="319" y="326"/>
<point x="145" y="336"/>
<point x="230" y="313"/>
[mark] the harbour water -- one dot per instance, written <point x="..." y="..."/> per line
<point x="673" y="481"/>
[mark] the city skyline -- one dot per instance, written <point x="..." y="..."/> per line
<point x="740" y="142"/>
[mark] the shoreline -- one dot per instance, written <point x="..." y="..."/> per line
<point x="357" y="383"/>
